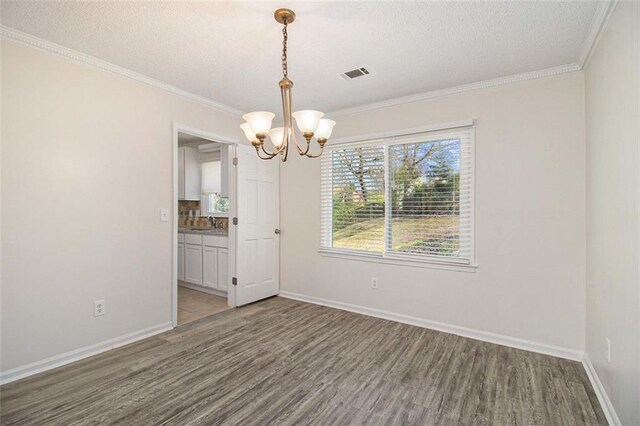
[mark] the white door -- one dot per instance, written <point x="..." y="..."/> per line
<point x="258" y="248"/>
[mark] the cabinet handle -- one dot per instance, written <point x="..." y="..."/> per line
<point x="277" y="231"/>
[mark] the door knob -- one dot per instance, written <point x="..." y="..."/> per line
<point x="277" y="231"/>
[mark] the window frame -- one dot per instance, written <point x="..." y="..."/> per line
<point x="391" y="257"/>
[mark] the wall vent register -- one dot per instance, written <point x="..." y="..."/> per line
<point x="358" y="72"/>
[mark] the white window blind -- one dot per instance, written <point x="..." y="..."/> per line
<point x="353" y="198"/>
<point x="403" y="197"/>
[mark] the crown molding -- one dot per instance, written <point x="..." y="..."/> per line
<point x="598" y="23"/>
<point x="48" y="46"/>
<point x="532" y="75"/>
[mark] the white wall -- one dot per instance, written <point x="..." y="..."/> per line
<point x="530" y="219"/>
<point x="86" y="166"/>
<point x="613" y="203"/>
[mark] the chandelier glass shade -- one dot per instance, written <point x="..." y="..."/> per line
<point x="310" y="123"/>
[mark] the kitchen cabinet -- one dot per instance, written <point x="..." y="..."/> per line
<point x="223" y="269"/>
<point x="210" y="267"/>
<point x="180" y="261"/>
<point x="188" y="174"/>
<point x="193" y="264"/>
<point x="205" y="260"/>
<point x="224" y="170"/>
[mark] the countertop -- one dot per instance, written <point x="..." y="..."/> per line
<point x="204" y="231"/>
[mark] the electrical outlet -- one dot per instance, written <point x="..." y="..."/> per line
<point x="99" y="308"/>
<point x="374" y="283"/>
<point x="607" y="353"/>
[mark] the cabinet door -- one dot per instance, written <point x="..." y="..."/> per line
<point x="223" y="268"/>
<point x="192" y="173"/>
<point x="181" y="173"/>
<point x="210" y="267"/>
<point x="224" y="170"/>
<point x="193" y="264"/>
<point x="180" y="262"/>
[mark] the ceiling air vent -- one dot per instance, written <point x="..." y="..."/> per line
<point x="356" y="73"/>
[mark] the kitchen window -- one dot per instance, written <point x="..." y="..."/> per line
<point x="407" y="197"/>
<point x="212" y="201"/>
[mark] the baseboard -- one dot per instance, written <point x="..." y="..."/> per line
<point x="78" y="354"/>
<point x="202" y="289"/>
<point x="601" y="393"/>
<point x="513" y="342"/>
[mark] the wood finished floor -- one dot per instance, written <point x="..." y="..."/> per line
<point x="285" y="362"/>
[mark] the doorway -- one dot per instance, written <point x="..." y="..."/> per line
<point x="243" y="265"/>
<point x="203" y="242"/>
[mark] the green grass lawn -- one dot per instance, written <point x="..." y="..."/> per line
<point x="408" y="234"/>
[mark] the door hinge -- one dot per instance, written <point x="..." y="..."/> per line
<point x="235" y="221"/>
<point x="234" y="281"/>
<point x="235" y="161"/>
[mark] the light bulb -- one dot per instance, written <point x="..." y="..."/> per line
<point x="308" y="120"/>
<point x="324" y="129"/>
<point x="260" y="121"/>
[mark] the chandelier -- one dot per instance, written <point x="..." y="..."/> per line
<point x="310" y="123"/>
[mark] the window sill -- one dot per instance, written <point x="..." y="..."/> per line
<point x="379" y="258"/>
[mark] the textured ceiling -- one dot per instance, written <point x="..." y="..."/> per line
<point x="230" y="51"/>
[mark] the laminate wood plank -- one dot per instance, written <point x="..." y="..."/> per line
<point x="286" y="362"/>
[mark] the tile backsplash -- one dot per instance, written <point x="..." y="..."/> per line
<point x="189" y="215"/>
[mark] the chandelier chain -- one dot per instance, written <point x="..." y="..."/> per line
<point x="285" y="37"/>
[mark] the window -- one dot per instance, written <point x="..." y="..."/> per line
<point x="407" y="197"/>
<point x="217" y="204"/>
<point x="211" y="201"/>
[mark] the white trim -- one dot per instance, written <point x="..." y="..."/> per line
<point x="395" y="260"/>
<point x="203" y="289"/>
<point x="78" y="354"/>
<point x="431" y="132"/>
<point x="601" y="393"/>
<point x="48" y="46"/>
<point x="598" y="23"/>
<point x="484" y="336"/>
<point x="501" y="81"/>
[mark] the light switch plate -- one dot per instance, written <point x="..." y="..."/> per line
<point x="164" y="215"/>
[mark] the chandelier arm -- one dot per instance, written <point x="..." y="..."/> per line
<point x="274" y="153"/>
<point x="316" y="155"/>
<point x="269" y="154"/>
<point x="285" y="153"/>
<point x="268" y="157"/>
<point x="306" y="151"/>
